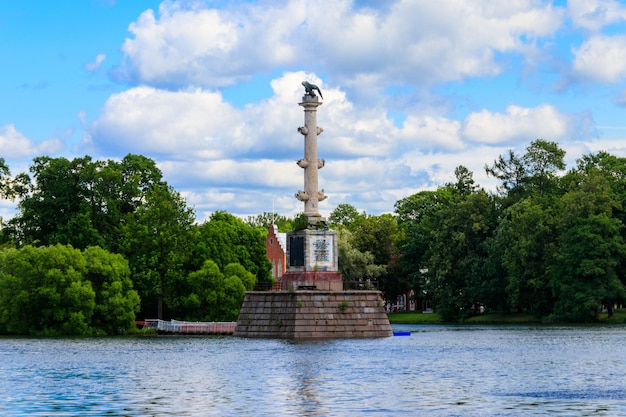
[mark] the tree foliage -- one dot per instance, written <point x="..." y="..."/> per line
<point x="156" y="243"/>
<point x="57" y="290"/>
<point x="547" y="244"/>
<point x="226" y="239"/>
<point x="357" y="268"/>
<point x="95" y="242"/>
<point x="80" y="202"/>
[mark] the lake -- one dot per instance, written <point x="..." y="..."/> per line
<point x="436" y="371"/>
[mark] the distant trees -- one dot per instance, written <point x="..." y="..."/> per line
<point x="548" y="245"/>
<point x="96" y="242"/>
<point x="124" y="212"/>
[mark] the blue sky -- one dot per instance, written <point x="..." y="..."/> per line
<point x="209" y="90"/>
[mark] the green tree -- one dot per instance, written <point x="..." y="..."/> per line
<point x="43" y="292"/>
<point x="378" y="236"/>
<point x="248" y="279"/>
<point x="535" y="172"/>
<point x="226" y="239"/>
<point x="543" y="160"/>
<point x="419" y="216"/>
<point x="79" y="202"/>
<point x="591" y="249"/>
<point x="529" y="238"/>
<point x="211" y="295"/>
<point x="457" y="252"/>
<point x="265" y="220"/>
<point x="156" y="243"/>
<point x="345" y="215"/>
<point x="357" y="268"/>
<point x="116" y="300"/>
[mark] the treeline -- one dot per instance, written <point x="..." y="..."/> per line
<point x="96" y="243"/>
<point x="548" y="244"/>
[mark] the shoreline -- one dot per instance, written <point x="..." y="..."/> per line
<point x="417" y="317"/>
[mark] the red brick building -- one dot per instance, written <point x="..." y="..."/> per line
<point x="275" y="247"/>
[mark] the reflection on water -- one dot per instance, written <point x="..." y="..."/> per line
<point x="438" y="371"/>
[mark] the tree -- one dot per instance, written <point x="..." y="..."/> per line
<point x="529" y="238"/>
<point x="248" y="279"/>
<point x="265" y="220"/>
<point x="79" y="202"/>
<point x="43" y="292"/>
<point x="226" y="239"/>
<point x="116" y="300"/>
<point x="511" y="171"/>
<point x="211" y="295"/>
<point x="534" y="172"/>
<point x="156" y="243"/>
<point x="59" y="290"/>
<point x="456" y="254"/>
<point x="591" y="249"/>
<point x="345" y="215"/>
<point x="543" y="159"/>
<point x="357" y="268"/>
<point x="419" y="216"/>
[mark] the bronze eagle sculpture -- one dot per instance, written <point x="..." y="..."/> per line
<point x="310" y="89"/>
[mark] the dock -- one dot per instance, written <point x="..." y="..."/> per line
<point x="189" y="327"/>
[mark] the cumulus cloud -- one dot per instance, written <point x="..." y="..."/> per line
<point x="601" y="59"/>
<point x="519" y="124"/>
<point x="184" y="123"/>
<point x="14" y="145"/>
<point x="239" y="155"/>
<point x="593" y="15"/>
<point x="199" y="124"/>
<point x="410" y="42"/>
<point x="430" y="132"/>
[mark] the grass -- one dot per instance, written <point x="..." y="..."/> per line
<point x="414" y="317"/>
<point x="417" y="317"/>
<point x="619" y="317"/>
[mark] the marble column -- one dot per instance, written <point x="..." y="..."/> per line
<point x="311" y="195"/>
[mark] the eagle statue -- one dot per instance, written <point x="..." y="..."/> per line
<point x="311" y="88"/>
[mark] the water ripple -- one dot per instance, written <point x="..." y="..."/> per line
<point x="438" y="371"/>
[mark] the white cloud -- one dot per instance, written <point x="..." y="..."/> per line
<point x="14" y="145"/>
<point x="593" y="15"/>
<point x="601" y="58"/>
<point x="430" y="132"/>
<point x="410" y="42"/>
<point x="93" y="66"/>
<point x="198" y="124"/>
<point x="518" y="124"/>
<point x="188" y="123"/>
<point x="240" y="156"/>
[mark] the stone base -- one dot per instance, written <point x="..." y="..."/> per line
<point x="313" y="315"/>
<point x="312" y="280"/>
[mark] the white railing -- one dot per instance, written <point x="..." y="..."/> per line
<point x="190" y="327"/>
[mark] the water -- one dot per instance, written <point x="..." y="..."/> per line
<point x="437" y="371"/>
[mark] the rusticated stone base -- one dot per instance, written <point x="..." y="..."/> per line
<point x="313" y="315"/>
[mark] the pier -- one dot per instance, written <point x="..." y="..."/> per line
<point x="189" y="327"/>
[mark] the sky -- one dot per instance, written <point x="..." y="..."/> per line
<point x="209" y="89"/>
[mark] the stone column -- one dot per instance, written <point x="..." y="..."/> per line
<point x="311" y="196"/>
